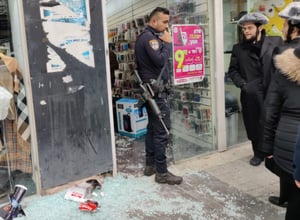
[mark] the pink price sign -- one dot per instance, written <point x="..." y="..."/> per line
<point x="188" y="54"/>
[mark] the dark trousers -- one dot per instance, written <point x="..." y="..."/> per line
<point x="291" y="193"/>
<point x="274" y="168"/>
<point x="156" y="138"/>
<point x="252" y="111"/>
<point x="293" y="209"/>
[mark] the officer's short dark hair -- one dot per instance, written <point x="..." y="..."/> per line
<point x="159" y="10"/>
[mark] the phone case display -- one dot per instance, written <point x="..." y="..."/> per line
<point x="132" y="121"/>
<point x="192" y="115"/>
<point x="124" y="38"/>
<point x="124" y="84"/>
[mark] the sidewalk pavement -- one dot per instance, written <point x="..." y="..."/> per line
<point x="219" y="186"/>
<point x="232" y="167"/>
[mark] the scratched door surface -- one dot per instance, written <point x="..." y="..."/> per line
<point x="68" y="76"/>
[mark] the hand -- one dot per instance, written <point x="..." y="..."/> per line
<point x="297" y="183"/>
<point x="252" y="87"/>
<point x="166" y="37"/>
<point x="271" y="156"/>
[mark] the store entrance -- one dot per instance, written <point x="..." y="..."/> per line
<point x="192" y="103"/>
<point x="236" y="132"/>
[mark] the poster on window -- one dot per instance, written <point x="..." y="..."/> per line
<point x="270" y="8"/>
<point x="67" y="26"/>
<point x="188" y="54"/>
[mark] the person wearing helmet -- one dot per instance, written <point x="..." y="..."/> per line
<point x="250" y="69"/>
<point x="291" y="27"/>
<point x="282" y="112"/>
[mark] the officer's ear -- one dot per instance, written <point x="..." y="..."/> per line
<point x="154" y="21"/>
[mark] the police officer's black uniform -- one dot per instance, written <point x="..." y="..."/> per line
<point x="152" y="55"/>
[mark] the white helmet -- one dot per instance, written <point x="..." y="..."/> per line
<point x="291" y="12"/>
<point x="254" y="17"/>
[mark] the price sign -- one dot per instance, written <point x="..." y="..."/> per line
<point x="188" y="50"/>
<point x="179" y="57"/>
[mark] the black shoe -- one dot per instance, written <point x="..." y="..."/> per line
<point x="255" y="161"/>
<point x="275" y="201"/>
<point x="149" y="170"/>
<point x="168" y="178"/>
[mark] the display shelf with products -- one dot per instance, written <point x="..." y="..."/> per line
<point x="123" y="38"/>
<point x="124" y="82"/>
<point x="192" y="112"/>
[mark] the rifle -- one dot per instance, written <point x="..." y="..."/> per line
<point x="147" y="96"/>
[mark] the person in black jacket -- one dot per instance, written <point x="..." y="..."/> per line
<point x="282" y="119"/>
<point x="153" y="49"/>
<point x="291" y="37"/>
<point x="282" y="110"/>
<point x="250" y="69"/>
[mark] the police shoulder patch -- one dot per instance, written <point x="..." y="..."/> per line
<point x="154" y="44"/>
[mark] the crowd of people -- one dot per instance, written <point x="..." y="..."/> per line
<point x="268" y="73"/>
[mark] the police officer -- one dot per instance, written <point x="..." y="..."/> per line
<point x="153" y="49"/>
<point x="250" y="69"/>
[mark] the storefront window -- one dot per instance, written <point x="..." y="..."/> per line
<point x="192" y="108"/>
<point x="192" y="104"/>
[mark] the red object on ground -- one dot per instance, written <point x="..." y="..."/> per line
<point x="89" y="206"/>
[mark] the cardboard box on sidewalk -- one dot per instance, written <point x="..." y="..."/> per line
<point x="132" y="121"/>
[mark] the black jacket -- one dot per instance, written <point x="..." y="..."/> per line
<point x="251" y="67"/>
<point x="282" y="110"/>
<point x="151" y="55"/>
<point x="245" y="66"/>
